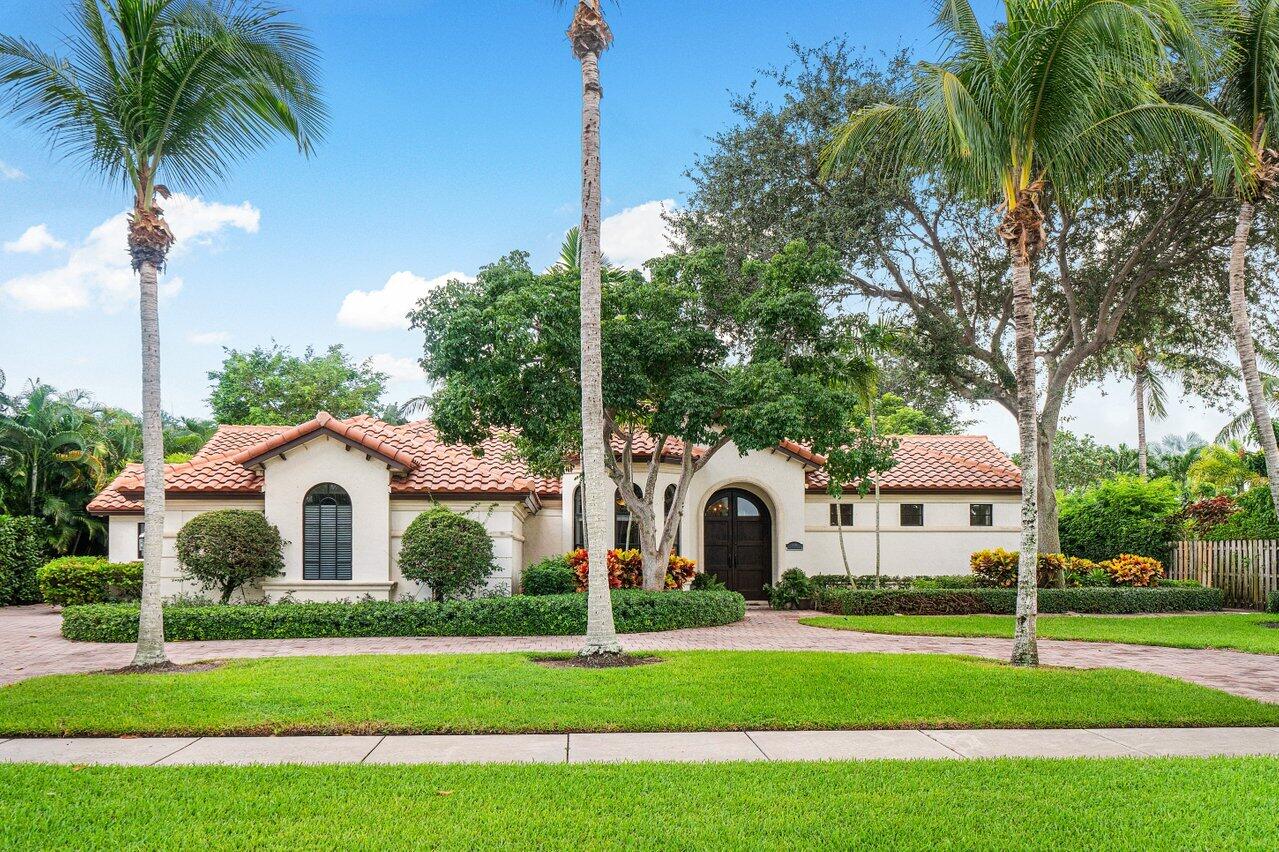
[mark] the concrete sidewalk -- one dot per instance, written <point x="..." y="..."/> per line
<point x="643" y="747"/>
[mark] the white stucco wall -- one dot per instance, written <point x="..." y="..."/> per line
<point x="504" y="520"/>
<point x="288" y="478"/>
<point x="122" y="538"/>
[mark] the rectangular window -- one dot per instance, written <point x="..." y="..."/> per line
<point x="912" y="515"/>
<point x="845" y="516"/>
<point x="981" y="515"/>
<point x="142" y="537"/>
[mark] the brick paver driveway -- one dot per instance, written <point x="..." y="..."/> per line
<point x="32" y="646"/>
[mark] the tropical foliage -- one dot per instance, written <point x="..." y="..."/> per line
<point x="1126" y="514"/>
<point x="272" y="386"/>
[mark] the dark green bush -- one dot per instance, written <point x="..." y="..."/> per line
<point x="1125" y="514"/>
<point x="551" y="576"/>
<point x="519" y="615"/>
<point x="705" y="581"/>
<point x="89" y="579"/>
<point x="1272" y="601"/>
<point x="23" y="549"/>
<point x="945" y="581"/>
<point x="1004" y="601"/>
<point x="451" y="553"/>
<point x="228" y="548"/>
<point x="861" y="581"/>
<point x="791" y="591"/>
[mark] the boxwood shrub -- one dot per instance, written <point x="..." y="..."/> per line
<point x="1004" y="601"/>
<point x="519" y="615"/>
<point x="551" y="576"/>
<point x="89" y="579"/>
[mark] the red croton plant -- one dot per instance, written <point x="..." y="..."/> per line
<point x="626" y="569"/>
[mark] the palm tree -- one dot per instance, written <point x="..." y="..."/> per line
<point x="1062" y="93"/>
<point x="1148" y="392"/>
<point x="1250" y="99"/>
<point x="590" y="36"/>
<point x="165" y="88"/>
<point x="1242" y="426"/>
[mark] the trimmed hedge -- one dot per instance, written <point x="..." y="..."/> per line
<point x="1004" y="601"/>
<point x="551" y="576"/>
<point x="519" y="615"/>
<point x="75" y="580"/>
<point x="23" y="549"/>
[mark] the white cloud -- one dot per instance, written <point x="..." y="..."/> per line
<point x="207" y="338"/>
<point x="397" y="369"/>
<point x="378" y="310"/>
<point x="34" y="240"/>
<point x="98" y="273"/>
<point x="636" y="234"/>
<point x="8" y="172"/>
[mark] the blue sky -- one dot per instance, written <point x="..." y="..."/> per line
<point x="454" y="139"/>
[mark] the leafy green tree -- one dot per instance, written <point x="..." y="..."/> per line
<point x="505" y="350"/>
<point x="228" y="549"/>
<point x="272" y="386"/>
<point x="1223" y="469"/>
<point x="174" y="90"/>
<point x="1148" y="249"/>
<point x="1081" y="461"/>
<point x="1062" y="92"/>
<point x="450" y="553"/>
<point x="1125" y="514"/>
<point x="50" y="463"/>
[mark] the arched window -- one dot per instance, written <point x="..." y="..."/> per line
<point x="326" y="533"/>
<point x="579" y="516"/>
<point x="625" y="532"/>
<point x="666" y="510"/>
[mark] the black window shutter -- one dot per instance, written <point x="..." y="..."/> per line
<point x="326" y="534"/>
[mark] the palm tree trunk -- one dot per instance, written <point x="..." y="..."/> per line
<point x="601" y="635"/>
<point x="843" y="553"/>
<point x="1025" y="650"/>
<point x="150" y="650"/>
<point x="1139" y="392"/>
<point x="1247" y="351"/>
<point x="874" y="433"/>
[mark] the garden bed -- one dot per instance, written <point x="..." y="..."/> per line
<point x="1098" y="600"/>
<point x="546" y="615"/>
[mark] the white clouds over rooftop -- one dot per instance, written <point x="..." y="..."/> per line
<point x="385" y="309"/>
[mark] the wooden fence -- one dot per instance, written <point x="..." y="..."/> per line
<point x="1245" y="570"/>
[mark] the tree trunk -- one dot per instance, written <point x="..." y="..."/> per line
<point x="1247" y="351"/>
<point x="1025" y="651"/>
<point x="150" y="650"/>
<point x="601" y="635"/>
<point x="874" y="433"/>
<point x="843" y="552"/>
<point x="1139" y="391"/>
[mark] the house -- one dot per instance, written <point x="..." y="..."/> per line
<point x="342" y="492"/>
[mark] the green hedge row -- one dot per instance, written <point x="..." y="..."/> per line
<point x="23" y="548"/>
<point x="519" y="615"/>
<point x="72" y="580"/>
<point x="1004" y="601"/>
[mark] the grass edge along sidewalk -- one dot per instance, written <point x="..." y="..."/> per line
<point x="1130" y="803"/>
<point x="1226" y="631"/>
<point x="686" y="691"/>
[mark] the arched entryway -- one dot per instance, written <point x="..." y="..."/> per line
<point x="738" y="537"/>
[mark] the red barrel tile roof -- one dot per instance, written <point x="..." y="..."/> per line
<point x="228" y="465"/>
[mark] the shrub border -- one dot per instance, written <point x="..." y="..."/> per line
<point x="519" y="615"/>
<point x="1093" y="600"/>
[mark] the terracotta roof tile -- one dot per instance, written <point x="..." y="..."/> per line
<point x="942" y="463"/>
<point x="375" y="441"/>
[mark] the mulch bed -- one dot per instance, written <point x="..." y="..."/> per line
<point x="598" y="661"/>
<point x="168" y="668"/>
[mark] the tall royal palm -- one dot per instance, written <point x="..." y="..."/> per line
<point x="1251" y="100"/>
<point x="174" y="90"/>
<point x="590" y="36"/>
<point x="1063" y="93"/>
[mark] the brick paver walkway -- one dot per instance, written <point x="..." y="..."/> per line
<point x="32" y="646"/>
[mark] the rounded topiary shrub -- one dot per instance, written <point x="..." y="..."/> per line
<point x="229" y="548"/>
<point x="451" y="553"/>
<point x="551" y="576"/>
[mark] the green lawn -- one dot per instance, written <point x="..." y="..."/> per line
<point x="700" y="690"/>
<point x="1242" y="631"/>
<point x="1126" y="803"/>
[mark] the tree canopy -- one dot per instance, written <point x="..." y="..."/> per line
<point x="271" y="386"/>
<point x="686" y="356"/>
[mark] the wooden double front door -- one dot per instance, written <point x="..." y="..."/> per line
<point x="738" y="536"/>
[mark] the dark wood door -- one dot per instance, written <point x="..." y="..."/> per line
<point x="738" y="536"/>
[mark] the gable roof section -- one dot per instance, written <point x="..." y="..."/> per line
<point x="940" y="463"/>
<point x="355" y="432"/>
